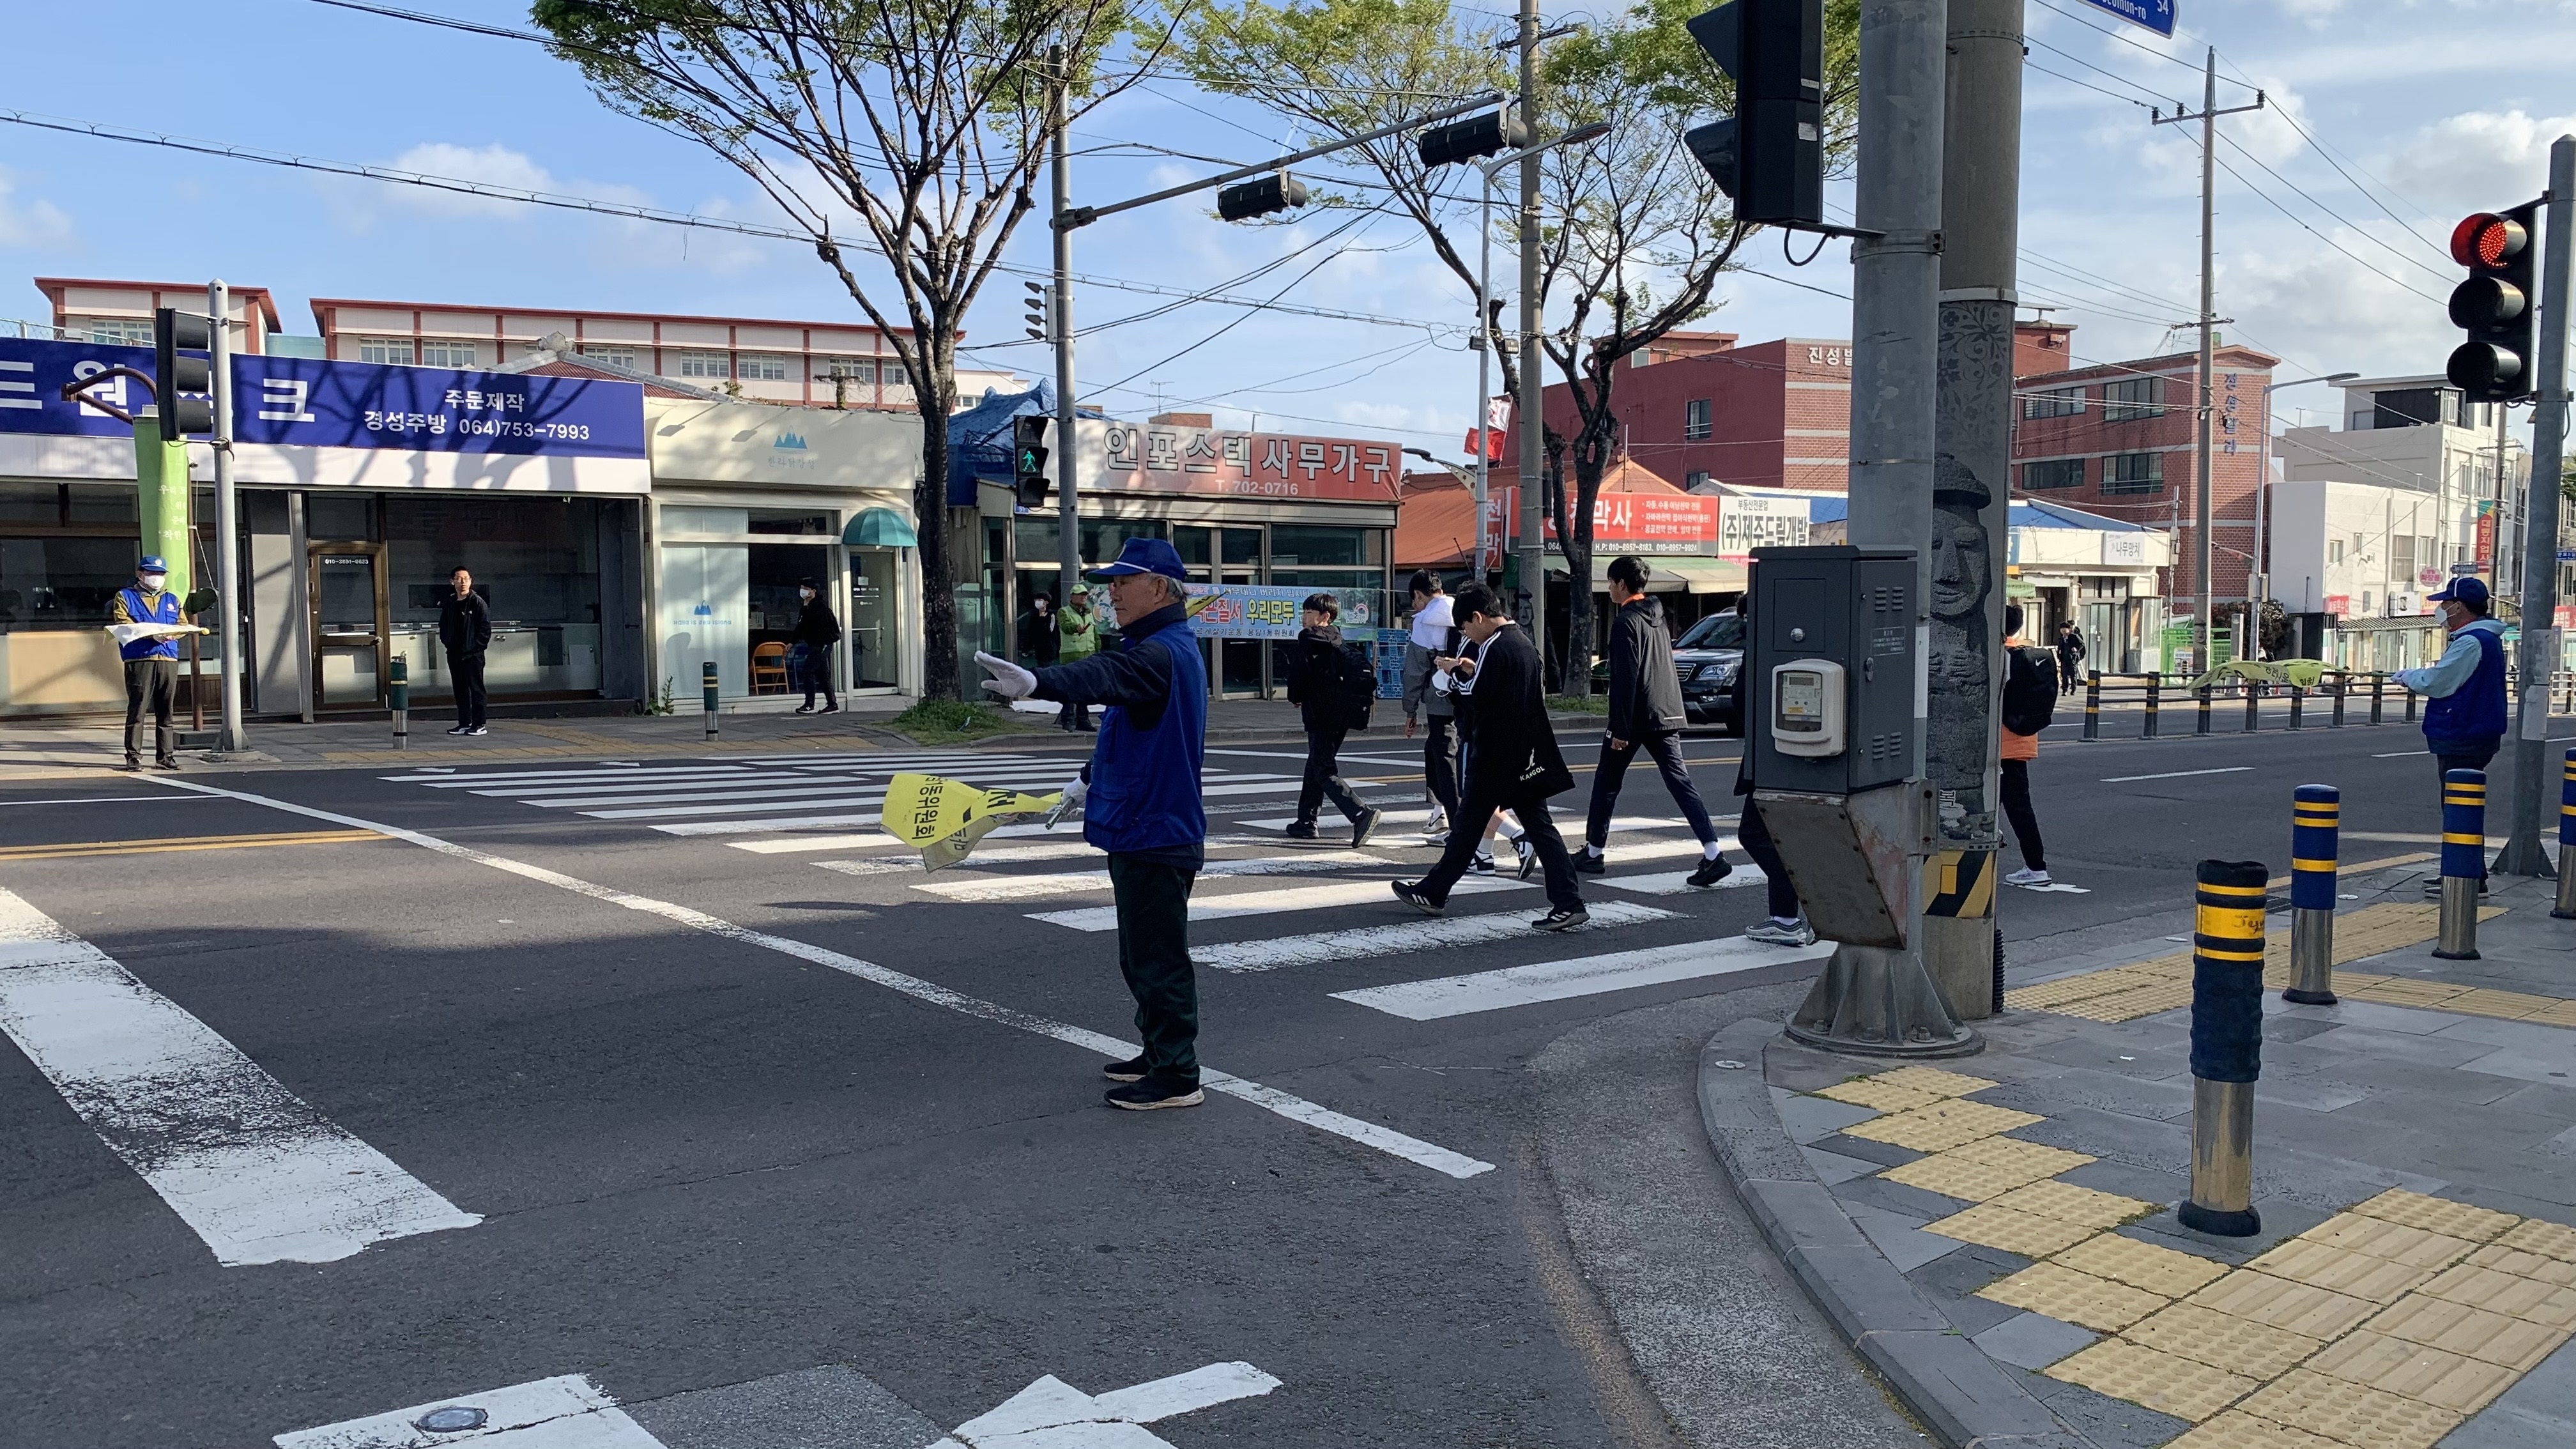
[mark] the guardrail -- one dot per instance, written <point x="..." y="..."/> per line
<point x="2342" y="691"/>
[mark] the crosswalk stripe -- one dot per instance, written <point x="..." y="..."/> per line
<point x="1679" y="885"/>
<point x="772" y="793"/>
<point x="1033" y="887"/>
<point x="781" y="822"/>
<point x="1510" y="986"/>
<point x="769" y="784"/>
<point x="669" y="812"/>
<point x="259" y="1174"/>
<point x="1401" y="937"/>
<point x="1417" y="817"/>
<point x="1271" y="902"/>
<point x="460" y="782"/>
<point x="908" y="863"/>
<point x="569" y="1412"/>
<point x="796" y="843"/>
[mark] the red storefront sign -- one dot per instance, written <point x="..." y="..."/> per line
<point x="1148" y="457"/>
<point x="1649" y="519"/>
<point x="2338" y="604"/>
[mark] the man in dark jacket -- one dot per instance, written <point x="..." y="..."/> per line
<point x="1645" y="713"/>
<point x="465" y="631"/>
<point x="1323" y="677"/>
<point x="1512" y="763"/>
<point x="1141" y="804"/>
<point x="2464" y="718"/>
<point x="817" y="630"/>
<point x="2070" y="652"/>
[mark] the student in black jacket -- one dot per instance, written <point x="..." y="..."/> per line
<point x="1513" y="764"/>
<point x="1645" y="713"/>
<point x="1324" y="680"/>
<point x="817" y="630"/>
<point x="465" y="631"/>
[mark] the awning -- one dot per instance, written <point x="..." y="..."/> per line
<point x="879" y="528"/>
<point x="1669" y="575"/>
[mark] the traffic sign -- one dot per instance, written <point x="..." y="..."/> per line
<point x="2156" y="15"/>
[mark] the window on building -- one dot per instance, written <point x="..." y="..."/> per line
<point x="613" y="356"/>
<point x="1695" y="480"/>
<point x="1695" y="419"/>
<point x="893" y="375"/>
<point x="705" y="364"/>
<point x="764" y="367"/>
<point x="2334" y="550"/>
<point x="859" y="370"/>
<point x="2052" y="473"/>
<point x="2132" y="398"/>
<point x="2413" y="407"/>
<point x="124" y="331"/>
<point x="394" y="350"/>
<point x="2133" y="473"/>
<point x="2401" y="556"/>
<point x="2427" y="553"/>
<point x="2054" y="402"/>
<point x="436" y="352"/>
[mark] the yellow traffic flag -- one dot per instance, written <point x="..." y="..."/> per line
<point x="944" y="818"/>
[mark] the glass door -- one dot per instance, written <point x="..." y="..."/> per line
<point x="349" y="626"/>
<point x="1225" y="556"/>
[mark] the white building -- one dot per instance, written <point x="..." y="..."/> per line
<point x="2363" y="555"/>
<point x="2415" y="436"/>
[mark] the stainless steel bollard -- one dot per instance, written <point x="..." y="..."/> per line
<point x="2464" y="861"/>
<point x="2222" y="1160"/>
<point x="2315" y="832"/>
<point x="398" y="695"/>
<point x="2226" y="1046"/>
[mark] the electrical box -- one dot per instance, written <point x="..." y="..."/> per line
<point x="1833" y="660"/>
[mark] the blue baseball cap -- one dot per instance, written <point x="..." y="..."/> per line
<point x="2468" y="589"/>
<point x="152" y="564"/>
<point x="1145" y="556"/>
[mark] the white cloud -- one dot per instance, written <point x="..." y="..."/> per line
<point x="493" y="165"/>
<point x="2323" y="312"/>
<point x="2475" y="160"/>
<point x="34" y="222"/>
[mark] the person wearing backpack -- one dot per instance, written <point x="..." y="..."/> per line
<point x="1645" y="713"/>
<point x="1332" y="682"/>
<point x="2030" y="702"/>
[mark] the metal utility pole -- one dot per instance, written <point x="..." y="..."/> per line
<point x="1971" y="490"/>
<point x="1060" y="322"/>
<point x="2205" y="412"/>
<point x="1533" y="396"/>
<point x="227" y="521"/>
<point x="2532" y="777"/>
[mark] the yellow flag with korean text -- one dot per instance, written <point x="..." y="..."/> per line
<point x="944" y="818"/>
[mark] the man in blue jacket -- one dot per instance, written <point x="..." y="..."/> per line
<point x="151" y="662"/>
<point x="1140" y="802"/>
<point x="2464" y="720"/>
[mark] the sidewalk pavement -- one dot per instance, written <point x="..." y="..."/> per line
<point x="1998" y="1237"/>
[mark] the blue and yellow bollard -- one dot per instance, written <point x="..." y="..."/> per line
<point x="2316" y="828"/>
<point x="2566" y="907"/>
<point x="2464" y="862"/>
<point x="2226" y="1046"/>
<point x="707" y="679"/>
<point x="398" y="696"/>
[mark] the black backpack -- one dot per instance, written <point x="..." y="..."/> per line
<point x="1355" y="680"/>
<point x="2030" y="690"/>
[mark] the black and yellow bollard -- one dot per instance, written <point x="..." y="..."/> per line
<point x="707" y="679"/>
<point x="2155" y="704"/>
<point x="2464" y="862"/>
<point x="2226" y="1046"/>
<point x="2315" y="831"/>
<point x="398" y="696"/>
<point x="2566" y="907"/>
<point x="2093" y="705"/>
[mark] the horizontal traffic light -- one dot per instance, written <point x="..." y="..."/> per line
<point x="2493" y="306"/>
<point x="1472" y="139"/>
<point x="1282" y="192"/>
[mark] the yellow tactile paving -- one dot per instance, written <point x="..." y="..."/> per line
<point x="2399" y="991"/>
<point x="1941" y="1126"/>
<point x="2469" y="1331"/>
<point x="2079" y="1298"/>
<point x="2049" y="995"/>
<point x="1934" y="1080"/>
<point x="1870" y="1092"/>
<point x="2412" y="1370"/>
<point x="2533" y="1235"/>
<point x="2013" y="1152"/>
<point x="2080" y="1205"/>
<point x="2563" y="1014"/>
<point x="2528" y="1299"/>
<point x="2510" y="1005"/>
<point x="2143" y="1265"/>
<point x="2298" y="1307"/>
<point x="2358" y="1274"/>
<point x="2028" y="1234"/>
<point x="2131" y="1004"/>
<point x="2164" y="1382"/>
<point x="2437" y="1215"/>
<point x="2237" y="1430"/>
<point x="2222" y="1340"/>
<point x="2363" y="1417"/>
<point x="2394" y="1241"/>
<point x="2505" y="1258"/>
<point x="1952" y="1175"/>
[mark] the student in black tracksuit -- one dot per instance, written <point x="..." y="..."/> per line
<point x="465" y="632"/>
<point x="1323" y="678"/>
<point x="1645" y="714"/>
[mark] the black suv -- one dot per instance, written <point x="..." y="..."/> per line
<point x="1707" y="657"/>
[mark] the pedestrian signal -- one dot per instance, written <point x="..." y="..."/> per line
<point x="1029" y="459"/>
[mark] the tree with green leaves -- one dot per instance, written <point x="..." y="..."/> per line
<point x="1633" y="233"/>
<point x="905" y="139"/>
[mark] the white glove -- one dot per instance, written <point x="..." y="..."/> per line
<point x="1009" y="680"/>
<point x="1071" y="804"/>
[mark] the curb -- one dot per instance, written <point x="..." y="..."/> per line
<point x="1963" y="1397"/>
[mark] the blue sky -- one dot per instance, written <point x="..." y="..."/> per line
<point x="2431" y="108"/>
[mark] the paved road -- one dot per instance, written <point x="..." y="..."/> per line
<point x="602" y="1081"/>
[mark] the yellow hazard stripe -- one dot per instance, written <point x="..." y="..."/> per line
<point x="2324" y="865"/>
<point x="2231" y="921"/>
<point x="2228" y="955"/>
<point x="2463" y="838"/>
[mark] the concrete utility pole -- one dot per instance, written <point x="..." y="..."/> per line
<point x="2533" y="781"/>
<point x="1532" y="610"/>
<point x="1971" y="490"/>
<point x="227" y="520"/>
<point x="1060" y="322"/>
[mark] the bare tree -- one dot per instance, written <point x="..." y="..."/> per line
<point x="908" y="132"/>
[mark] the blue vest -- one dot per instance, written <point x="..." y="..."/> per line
<point x="2473" y="714"/>
<point x="1145" y="782"/>
<point x="164" y="647"/>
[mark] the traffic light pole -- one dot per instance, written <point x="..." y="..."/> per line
<point x="1060" y="321"/>
<point x="231" y="740"/>
<point x="2524" y="853"/>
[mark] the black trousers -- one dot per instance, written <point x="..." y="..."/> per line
<point x="1755" y="837"/>
<point x="1439" y="767"/>
<point x="2025" y="820"/>
<point x="1073" y="717"/>
<point x="1153" y="904"/>
<point x="818" y="675"/>
<point x="1613" y="767"/>
<point x="1467" y="836"/>
<point x="1324" y="775"/>
<point x="467" y="671"/>
<point x="151" y="684"/>
<point x="2443" y="765"/>
<point x="2069" y="678"/>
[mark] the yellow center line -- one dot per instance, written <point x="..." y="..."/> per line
<point x="76" y="851"/>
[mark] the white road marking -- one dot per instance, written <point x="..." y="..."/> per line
<point x="1052" y="1414"/>
<point x="2055" y="887"/>
<point x="1679" y="885"/>
<point x="1068" y="883"/>
<point x="569" y="1412"/>
<point x="766" y="785"/>
<point x="259" y="1174"/>
<point x="468" y="782"/>
<point x="1416" y="817"/>
<point x="780" y="822"/>
<point x="871" y="795"/>
<point x="795" y="843"/>
<point x="1384" y="1139"/>
<point x="1583" y="976"/>
<point x="1402" y="937"/>
<point x="1271" y="902"/>
<point x="2176" y="774"/>
<point x="1619" y="855"/>
<point x="1415" y="762"/>
<point x="82" y="800"/>
<point x="2401" y="838"/>
<point x="908" y="862"/>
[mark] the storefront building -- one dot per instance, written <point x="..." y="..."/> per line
<point x="2098" y="572"/>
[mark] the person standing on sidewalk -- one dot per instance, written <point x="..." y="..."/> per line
<point x="817" y="630"/>
<point x="1426" y="696"/>
<point x="1332" y="683"/>
<point x="1513" y="765"/>
<point x="1077" y="637"/>
<point x="1645" y="713"/>
<point x="2464" y="719"/>
<point x="151" y="662"/>
<point x="1141" y="803"/>
<point x="465" y="632"/>
<point x="2070" y="652"/>
<point x="2030" y="700"/>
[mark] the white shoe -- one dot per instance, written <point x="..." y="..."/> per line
<point x="1437" y="827"/>
<point x="1772" y="933"/>
<point x="2028" y="878"/>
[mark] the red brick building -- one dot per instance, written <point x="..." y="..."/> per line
<point x="1699" y="410"/>
<point x="2119" y="439"/>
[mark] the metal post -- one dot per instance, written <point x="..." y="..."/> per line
<point x="2316" y="831"/>
<point x="2204" y="711"/>
<point x="2298" y="705"/>
<point x="2566" y="907"/>
<point x="2378" y="696"/>
<point x="2522" y="852"/>
<point x="1484" y="366"/>
<point x="2253" y="706"/>
<point x="2342" y="687"/>
<point x="2464" y="861"/>
<point x="1533" y="396"/>
<point x="2206" y="653"/>
<point x="1060" y="317"/>
<point x="2093" y="705"/>
<point x="231" y="738"/>
<point x="707" y="680"/>
<point x="2226" y="1047"/>
<point x="2412" y="701"/>
<point x="398" y="695"/>
<point x="2155" y="705"/>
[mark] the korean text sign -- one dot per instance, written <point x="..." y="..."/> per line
<point x="1248" y="465"/>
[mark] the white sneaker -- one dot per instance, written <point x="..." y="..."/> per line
<point x="2028" y="878"/>
<point x="1772" y="933"/>
<point x="1437" y="827"/>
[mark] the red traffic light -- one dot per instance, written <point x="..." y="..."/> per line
<point x="2487" y="240"/>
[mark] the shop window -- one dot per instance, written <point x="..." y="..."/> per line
<point x="786" y="520"/>
<point x="339" y="517"/>
<point x="2132" y="473"/>
<point x="61" y="583"/>
<point x="705" y="364"/>
<point x="2132" y="398"/>
<point x="2053" y="402"/>
<point x="38" y="503"/>
<point x="441" y="352"/>
<point x="101" y="503"/>
<point x="705" y="520"/>
<point x="2052" y="473"/>
<point x="1309" y="546"/>
<point x="1695" y="419"/>
<point x="395" y="351"/>
<point x="764" y="367"/>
